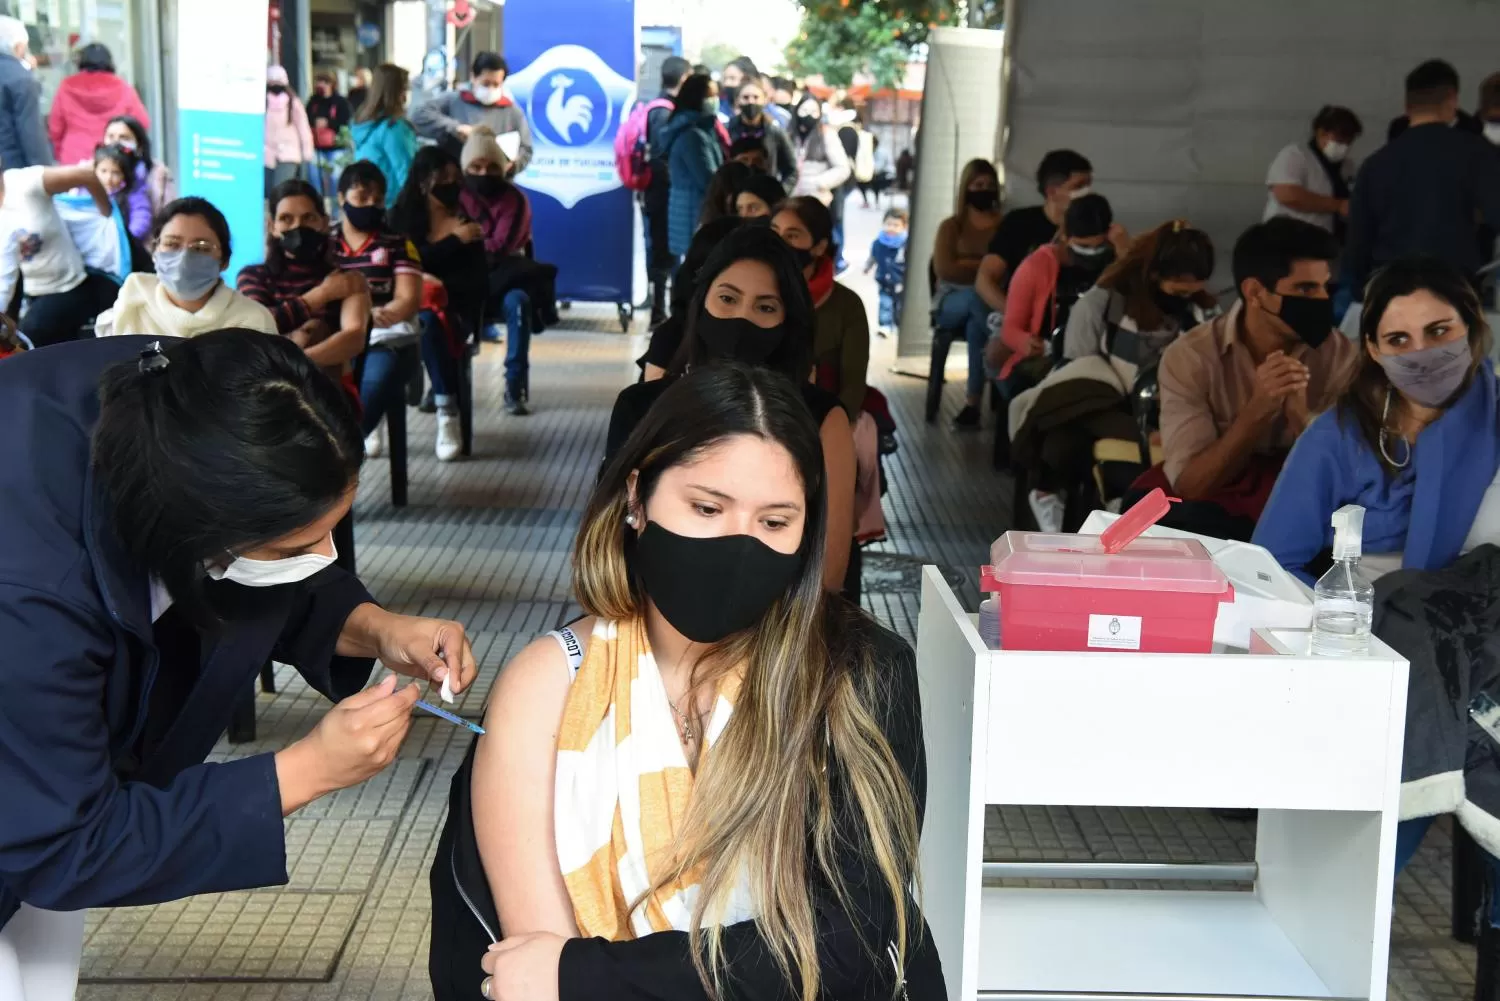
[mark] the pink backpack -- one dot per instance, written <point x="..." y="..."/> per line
<point x="632" y="158"/>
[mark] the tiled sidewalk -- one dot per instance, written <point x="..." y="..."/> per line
<point x="487" y="541"/>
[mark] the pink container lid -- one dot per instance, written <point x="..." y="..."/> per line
<point x="1033" y="559"/>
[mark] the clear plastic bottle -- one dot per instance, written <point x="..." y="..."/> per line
<point x="1344" y="601"/>
<point x="989" y="621"/>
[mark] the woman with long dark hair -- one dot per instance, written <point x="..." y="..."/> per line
<point x="1414" y="439"/>
<point x="382" y="134"/>
<point x="666" y="337"/>
<point x="751" y="305"/>
<point x="1118" y="329"/>
<point x="690" y="144"/>
<point x="957" y="250"/>
<point x="822" y="162"/>
<point x="772" y="789"/>
<point x="429" y="213"/>
<point x="168" y="510"/>
<point x="151" y="176"/>
<point x="841" y="331"/>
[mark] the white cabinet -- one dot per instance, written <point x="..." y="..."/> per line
<point x="1314" y="744"/>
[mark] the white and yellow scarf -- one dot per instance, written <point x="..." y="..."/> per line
<point x="623" y="788"/>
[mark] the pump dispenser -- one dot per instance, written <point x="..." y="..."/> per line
<point x="1344" y="601"/>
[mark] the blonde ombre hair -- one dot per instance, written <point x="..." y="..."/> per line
<point x="811" y="696"/>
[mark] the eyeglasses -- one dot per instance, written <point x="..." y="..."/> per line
<point x="201" y="246"/>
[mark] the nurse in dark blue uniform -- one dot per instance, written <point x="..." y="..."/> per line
<point x="165" y="519"/>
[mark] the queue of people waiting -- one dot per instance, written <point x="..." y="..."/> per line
<point x="452" y="255"/>
<point x="1089" y="336"/>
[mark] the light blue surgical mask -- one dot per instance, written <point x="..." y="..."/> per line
<point x="187" y="274"/>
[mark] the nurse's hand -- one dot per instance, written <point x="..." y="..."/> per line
<point x="355" y="740"/>
<point x="426" y="649"/>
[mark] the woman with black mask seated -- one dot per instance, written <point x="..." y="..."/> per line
<point x="429" y="213"/>
<point x="666" y="337"/>
<point x="1044" y="288"/>
<point x="752" y="305"/>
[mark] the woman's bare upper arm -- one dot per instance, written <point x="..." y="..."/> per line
<point x="515" y="767"/>
<point x="839" y="469"/>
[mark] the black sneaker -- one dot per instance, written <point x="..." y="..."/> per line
<point x="515" y="402"/>
<point x="967" y="419"/>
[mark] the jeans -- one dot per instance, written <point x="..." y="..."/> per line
<point x="962" y="308"/>
<point x="517" y="310"/>
<point x="1409" y="834"/>
<point x="383" y="385"/>
<point x="890" y="305"/>
<point x="324" y="176"/>
<point x="442" y="367"/>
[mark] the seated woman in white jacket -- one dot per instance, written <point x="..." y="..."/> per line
<point x="187" y="296"/>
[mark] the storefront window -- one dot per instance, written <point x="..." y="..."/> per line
<point x="59" y="27"/>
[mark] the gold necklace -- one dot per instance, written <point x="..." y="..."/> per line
<point x="687" y="725"/>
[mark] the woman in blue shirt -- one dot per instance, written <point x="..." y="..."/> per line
<point x="1414" y="440"/>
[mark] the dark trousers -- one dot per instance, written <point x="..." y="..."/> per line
<point x="660" y="261"/>
<point x="442" y="367"/>
<point x="53" y="319"/>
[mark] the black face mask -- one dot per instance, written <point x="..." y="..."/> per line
<point x="365" y="218"/>
<point x="806" y="124"/>
<point x="731" y="94"/>
<point x="805" y="258"/>
<point x="738" y="339"/>
<point x="985" y="199"/>
<point x="276" y="88"/>
<point x="1177" y="307"/>
<point x="709" y="589"/>
<point x="1310" y="319"/>
<point x="485" y="185"/>
<point x="447" y="194"/>
<point x="750" y="112"/>
<point x="304" y="245"/>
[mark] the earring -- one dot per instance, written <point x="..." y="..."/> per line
<point x="630" y="520"/>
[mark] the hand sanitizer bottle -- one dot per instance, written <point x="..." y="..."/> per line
<point x="1344" y="601"/>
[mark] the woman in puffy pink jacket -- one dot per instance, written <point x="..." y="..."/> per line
<point x="289" y="139"/>
<point x="86" y="102"/>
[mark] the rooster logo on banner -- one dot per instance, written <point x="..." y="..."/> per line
<point x="565" y="111"/>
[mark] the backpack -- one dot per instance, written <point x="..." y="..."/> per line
<point x="864" y="158"/>
<point x="632" y="155"/>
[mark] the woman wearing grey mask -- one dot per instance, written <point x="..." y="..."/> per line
<point x="187" y="296"/>
<point x="1415" y="439"/>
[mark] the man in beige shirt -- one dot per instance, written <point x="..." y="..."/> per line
<point x="1238" y="390"/>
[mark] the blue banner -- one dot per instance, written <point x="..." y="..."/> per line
<point x="221" y="88"/>
<point x="574" y="65"/>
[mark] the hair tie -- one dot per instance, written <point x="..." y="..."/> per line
<point x="1178" y="225"/>
<point x="153" y="361"/>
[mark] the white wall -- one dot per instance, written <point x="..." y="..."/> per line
<point x="1181" y="104"/>
<point x="961" y="114"/>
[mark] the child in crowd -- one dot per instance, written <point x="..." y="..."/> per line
<point x="888" y="261"/>
<point x="115" y="166"/>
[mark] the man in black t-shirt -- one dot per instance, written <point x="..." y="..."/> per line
<point x="1061" y="177"/>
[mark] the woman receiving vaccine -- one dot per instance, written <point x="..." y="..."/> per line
<point x="756" y="835"/>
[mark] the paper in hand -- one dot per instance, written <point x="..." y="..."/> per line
<point x="446" y="692"/>
<point x="510" y="144"/>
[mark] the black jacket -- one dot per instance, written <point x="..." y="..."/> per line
<point x="659" y="967"/>
<point x="23" y="137"/>
<point x="105" y="720"/>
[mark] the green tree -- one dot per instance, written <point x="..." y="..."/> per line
<point x="717" y="55"/>
<point x="843" y="41"/>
